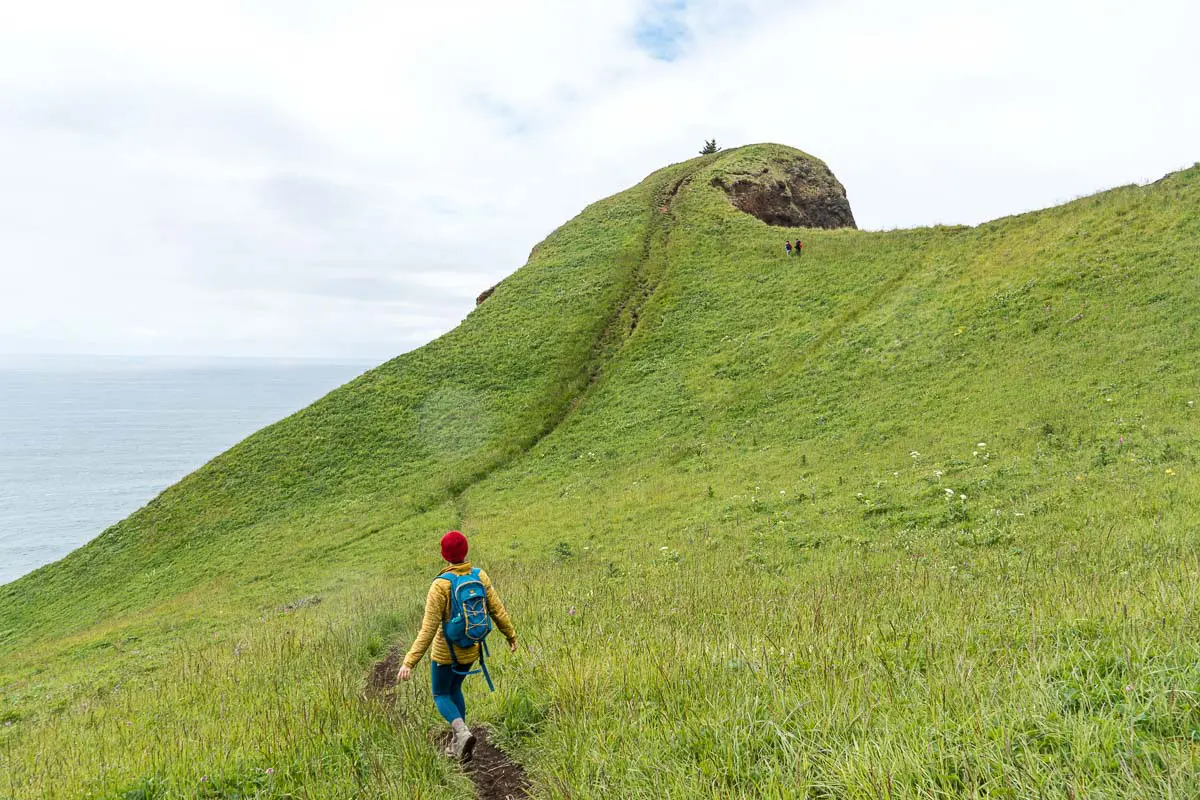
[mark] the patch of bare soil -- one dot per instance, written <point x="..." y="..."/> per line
<point x="383" y="672"/>
<point x="303" y="602"/>
<point x="495" y="775"/>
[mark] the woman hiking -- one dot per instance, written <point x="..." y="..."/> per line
<point x="450" y="667"/>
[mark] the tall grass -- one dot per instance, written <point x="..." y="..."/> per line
<point x="913" y="516"/>
<point x="279" y="708"/>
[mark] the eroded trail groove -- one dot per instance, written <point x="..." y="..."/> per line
<point x="647" y="266"/>
<point x="495" y="775"/>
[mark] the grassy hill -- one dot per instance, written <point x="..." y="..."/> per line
<point x="913" y="516"/>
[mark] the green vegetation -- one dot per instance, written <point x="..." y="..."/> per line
<point x="913" y="516"/>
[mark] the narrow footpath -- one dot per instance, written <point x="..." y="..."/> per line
<point x="495" y="775"/>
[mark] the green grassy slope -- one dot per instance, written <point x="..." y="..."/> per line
<point x="284" y="507"/>
<point x="912" y="516"/>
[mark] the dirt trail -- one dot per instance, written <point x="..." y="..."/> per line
<point x="495" y="775"/>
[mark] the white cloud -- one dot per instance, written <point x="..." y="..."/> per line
<point x="320" y="178"/>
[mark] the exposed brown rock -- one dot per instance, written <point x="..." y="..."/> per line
<point x="798" y="193"/>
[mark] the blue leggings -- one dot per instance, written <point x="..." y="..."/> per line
<point x="447" y="690"/>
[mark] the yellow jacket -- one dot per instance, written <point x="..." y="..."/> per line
<point x="437" y="608"/>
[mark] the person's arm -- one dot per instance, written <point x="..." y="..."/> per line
<point x="435" y="600"/>
<point x="498" y="611"/>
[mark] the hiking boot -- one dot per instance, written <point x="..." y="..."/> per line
<point x="463" y="744"/>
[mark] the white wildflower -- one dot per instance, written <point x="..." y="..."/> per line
<point x="949" y="493"/>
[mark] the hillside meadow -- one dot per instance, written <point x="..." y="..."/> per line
<point x="913" y="516"/>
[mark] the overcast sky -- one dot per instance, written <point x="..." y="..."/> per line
<point x="340" y="178"/>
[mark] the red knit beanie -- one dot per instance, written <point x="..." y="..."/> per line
<point x="454" y="547"/>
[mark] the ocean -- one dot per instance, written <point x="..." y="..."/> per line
<point x="86" y="442"/>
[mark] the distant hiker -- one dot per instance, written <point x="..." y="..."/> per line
<point x="799" y="248"/>
<point x="460" y="606"/>
<point x="788" y="246"/>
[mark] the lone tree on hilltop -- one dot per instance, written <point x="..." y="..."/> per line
<point x="710" y="146"/>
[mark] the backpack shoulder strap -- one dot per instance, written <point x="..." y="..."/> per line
<point x="452" y="579"/>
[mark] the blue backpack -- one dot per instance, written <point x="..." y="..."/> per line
<point x="469" y="622"/>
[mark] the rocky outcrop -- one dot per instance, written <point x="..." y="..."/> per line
<point x="798" y="192"/>
<point x="484" y="295"/>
